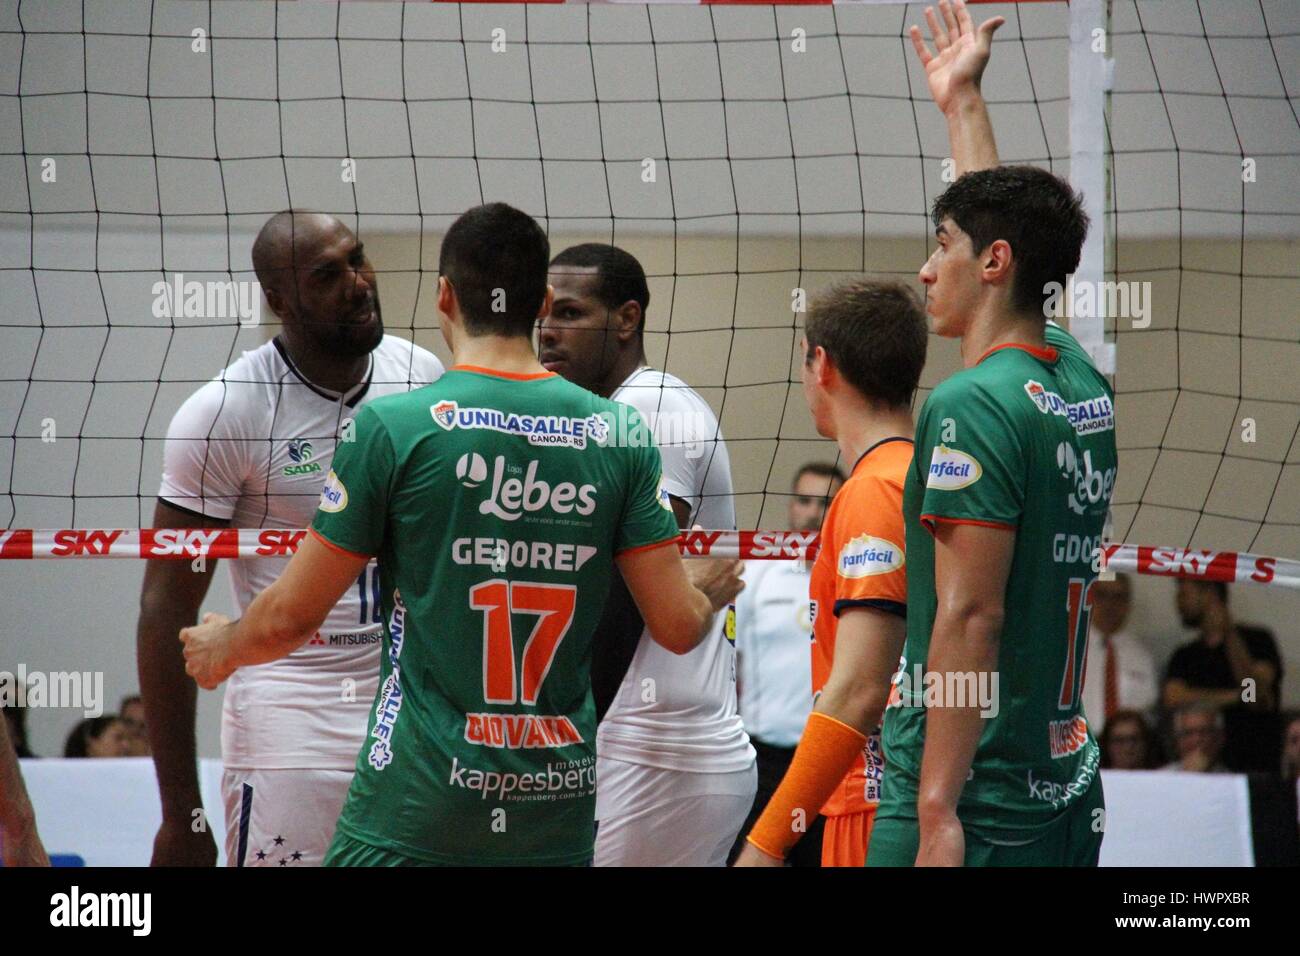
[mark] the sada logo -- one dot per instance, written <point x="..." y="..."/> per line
<point x="866" y="555"/>
<point x="951" y="469"/>
<point x="300" y="453"/>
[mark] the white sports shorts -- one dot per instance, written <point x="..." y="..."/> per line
<point x="281" y="817"/>
<point x="650" y="816"/>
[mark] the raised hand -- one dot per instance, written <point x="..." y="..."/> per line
<point x="961" y="51"/>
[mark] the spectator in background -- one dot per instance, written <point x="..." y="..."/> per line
<point x="1121" y="672"/>
<point x="1230" y="666"/>
<point x="132" y="711"/>
<point x="20" y="845"/>
<point x="1198" y="739"/>
<point x="774" y="666"/>
<point x="16" y="726"/>
<point x="104" y="736"/>
<point x="1291" y="750"/>
<point x="1128" y="743"/>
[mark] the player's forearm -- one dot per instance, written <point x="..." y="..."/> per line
<point x="858" y="704"/>
<point x="1179" y="694"/>
<point x="17" y="819"/>
<point x="970" y="133"/>
<point x="272" y="628"/>
<point x="825" y="754"/>
<point x="1244" y="667"/>
<point x="169" y="696"/>
<point x="965" y="644"/>
<point x="702" y="616"/>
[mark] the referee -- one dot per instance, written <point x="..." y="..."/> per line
<point x="773" y="628"/>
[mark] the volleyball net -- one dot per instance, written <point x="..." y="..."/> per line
<point x="748" y="155"/>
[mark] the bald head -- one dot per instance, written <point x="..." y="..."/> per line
<point x="288" y="239"/>
<point x="317" y="280"/>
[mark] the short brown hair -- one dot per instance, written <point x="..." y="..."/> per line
<point x="874" y="331"/>
<point x="822" y="469"/>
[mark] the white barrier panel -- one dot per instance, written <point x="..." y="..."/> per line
<point x="1168" y="818"/>
<point x="106" y="812"/>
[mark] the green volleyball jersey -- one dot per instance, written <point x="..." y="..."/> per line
<point x="495" y="505"/>
<point x="1024" y="439"/>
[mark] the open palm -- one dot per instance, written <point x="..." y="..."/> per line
<point x="961" y="51"/>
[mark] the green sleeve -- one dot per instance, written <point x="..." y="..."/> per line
<point x="647" y="513"/>
<point x="353" y="511"/>
<point x="970" y="457"/>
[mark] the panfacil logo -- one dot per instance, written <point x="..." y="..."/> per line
<point x="334" y="496"/>
<point x="951" y="469"/>
<point x="512" y="497"/>
<point x="866" y="555"/>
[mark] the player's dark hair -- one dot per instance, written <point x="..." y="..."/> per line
<point x="495" y="258"/>
<point x="1037" y="213"/>
<point x="79" y="738"/>
<point x="1220" y="588"/>
<point x="619" y="276"/>
<point x="875" y="333"/>
<point x="822" y="469"/>
<point x="1151" y="755"/>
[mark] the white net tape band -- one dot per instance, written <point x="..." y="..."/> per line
<point x="1234" y="567"/>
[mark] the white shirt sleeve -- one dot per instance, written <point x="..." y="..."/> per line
<point x="426" y="367"/>
<point x="677" y="428"/>
<point x="206" y="454"/>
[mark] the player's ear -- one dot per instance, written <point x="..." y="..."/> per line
<point x="822" y="366"/>
<point x="627" y="320"/>
<point x="996" y="261"/>
<point x="275" y="301"/>
<point x="446" y="297"/>
<point x="547" y="302"/>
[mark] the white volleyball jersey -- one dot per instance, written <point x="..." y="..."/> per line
<point x="678" y="712"/>
<point x="254" y="447"/>
<point x="773" y="637"/>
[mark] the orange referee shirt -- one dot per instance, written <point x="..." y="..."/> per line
<point x="860" y="564"/>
